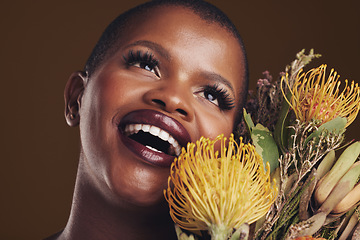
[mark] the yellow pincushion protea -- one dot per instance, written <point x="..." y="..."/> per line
<point x="219" y="192"/>
<point x="316" y="97"/>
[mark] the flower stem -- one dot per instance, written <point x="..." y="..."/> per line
<point x="219" y="232"/>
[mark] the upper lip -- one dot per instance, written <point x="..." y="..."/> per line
<point x="158" y="119"/>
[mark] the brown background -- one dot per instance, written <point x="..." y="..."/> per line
<point x="42" y="42"/>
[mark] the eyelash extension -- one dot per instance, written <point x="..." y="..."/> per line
<point x="225" y="101"/>
<point x="140" y="57"/>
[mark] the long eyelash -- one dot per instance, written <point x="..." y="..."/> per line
<point x="225" y="101"/>
<point x="140" y="57"/>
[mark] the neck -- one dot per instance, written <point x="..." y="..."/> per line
<point x="95" y="217"/>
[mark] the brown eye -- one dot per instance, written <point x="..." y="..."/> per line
<point x="148" y="66"/>
<point x="144" y="61"/>
<point x="211" y="96"/>
<point x="218" y="96"/>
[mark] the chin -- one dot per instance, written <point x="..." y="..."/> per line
<point x="144" y="188"/>
<point x="149" y="202"/>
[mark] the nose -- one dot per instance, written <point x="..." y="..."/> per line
<point x="172" y="98"/>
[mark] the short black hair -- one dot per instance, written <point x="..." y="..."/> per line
<point x="107" y="44"/>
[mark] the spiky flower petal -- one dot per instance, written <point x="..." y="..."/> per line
<point x="316" y="97"/>
<point x="213" y="191"/>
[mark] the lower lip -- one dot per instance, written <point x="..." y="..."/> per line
<point x="147" y="155"/>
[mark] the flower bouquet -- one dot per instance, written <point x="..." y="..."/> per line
<point x="289" y="174"/>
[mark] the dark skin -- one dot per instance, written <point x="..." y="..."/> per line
<point x="119" y="186"/>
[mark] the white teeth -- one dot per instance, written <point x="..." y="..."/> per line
<point x="145" y="128"/>
<point x="164" y="135"/>
<point x="171" y="140"/>
<point x="131" y="128"/>
<point x="154" y="130"/>
<point x="154" y="149"/>
<point x="135" y="128"/>
<point x="177" y="148"/>
<point x="177" y="151"/>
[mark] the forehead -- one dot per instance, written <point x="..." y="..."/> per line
<point x="186" y="36"/>
<point x="176" y="20"/>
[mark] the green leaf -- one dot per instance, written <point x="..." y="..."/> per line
<point x="249" y="122"/>
<point x="335" y="125"/>
<point x="265" y="145"/>
<point x="281" y="127"/>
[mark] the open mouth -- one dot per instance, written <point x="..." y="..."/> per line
<point x="154" y="138"/>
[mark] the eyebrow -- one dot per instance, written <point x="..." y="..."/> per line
<point x="154" y="46"/>
<point x="218" y="78"/>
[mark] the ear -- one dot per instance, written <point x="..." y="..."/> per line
<point x="72" y="95"/>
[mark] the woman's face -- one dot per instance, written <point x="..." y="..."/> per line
<point x="173" y="79"/>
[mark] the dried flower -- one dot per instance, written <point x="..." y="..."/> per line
<point x="316" y="97"/>
<point x="219" y="192"/>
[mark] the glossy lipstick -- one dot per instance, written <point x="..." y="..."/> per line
<point x="157" y="119"/>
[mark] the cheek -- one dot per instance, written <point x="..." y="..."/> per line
<point x="213" y="123"/>
<point x="103" y="98"/>
<point x="115" y="93"/>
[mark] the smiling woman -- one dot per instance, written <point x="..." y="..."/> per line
<point x="176" y="71"/>
<point x="43" y="43"/>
